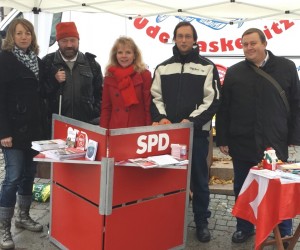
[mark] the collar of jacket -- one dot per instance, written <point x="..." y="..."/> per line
<point x="268" y="63"/>
<point x="58" y="59"/>
<point x="193" y="53"/>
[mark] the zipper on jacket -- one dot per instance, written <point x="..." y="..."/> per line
<point x="73" y="91"/>
<point x="72" y="87"/>
<point x="179" y="90"/>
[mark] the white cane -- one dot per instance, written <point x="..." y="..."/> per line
<point x="60" y="95"/>
<point x="59" y="108"/>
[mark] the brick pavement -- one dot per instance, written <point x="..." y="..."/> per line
<point x="221" y="224"/>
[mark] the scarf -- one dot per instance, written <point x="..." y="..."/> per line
<point x="29" y="59"/>
<point x="125" y="84"/>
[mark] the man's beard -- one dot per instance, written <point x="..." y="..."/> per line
<point x="69" y="53"/>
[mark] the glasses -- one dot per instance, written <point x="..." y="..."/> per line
<point x="186" y="37"/>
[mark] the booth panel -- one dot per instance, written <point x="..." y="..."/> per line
<point x="144" y="144"/>
<point x="134" y="183"/>
<point x="61" y="131"/>
<point x="82" y="179"/>
<point x="154" y="224"/>
<point x="75" y="223"/>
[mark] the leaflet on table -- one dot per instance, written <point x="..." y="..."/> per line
<point x="163" y="160"/>
<point x="143" y="162"/>
<point x="290" y="176"/>
<point x="71" y="137"/>
<point x="159" y="160"/>
<point x="270" y="174"/>
<point x="265" y="173"/>
<point x="289" y="166"/>
<point x="64" y="153"/>
<point x="182" y="161"/>
<point x="48" y="144"/>
<point x="91" y="150"/>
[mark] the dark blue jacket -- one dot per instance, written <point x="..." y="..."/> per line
<point x="188" y="89"/>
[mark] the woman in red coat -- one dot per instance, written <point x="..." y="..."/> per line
<point x="126" y="94"/>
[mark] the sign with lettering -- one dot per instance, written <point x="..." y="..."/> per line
<point x="143" y="144"/>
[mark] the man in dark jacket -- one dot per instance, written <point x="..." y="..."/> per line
<point x="185" y="88"/>
<point x="74" y="79"/>
<point x="253" y="115"/>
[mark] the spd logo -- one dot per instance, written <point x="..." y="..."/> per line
<point x="148" y="143"/>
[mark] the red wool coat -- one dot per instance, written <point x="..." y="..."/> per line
<point x="114" y="114"/>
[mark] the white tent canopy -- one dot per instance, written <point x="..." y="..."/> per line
<point x="280" y="19"/>
<point x="230" y="11"/>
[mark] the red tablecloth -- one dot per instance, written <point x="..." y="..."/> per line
<point x="266" y="202"/>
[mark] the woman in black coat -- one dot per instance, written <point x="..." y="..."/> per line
<point x="20" y="123"/>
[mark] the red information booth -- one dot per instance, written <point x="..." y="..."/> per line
<point x="110" y="205"/>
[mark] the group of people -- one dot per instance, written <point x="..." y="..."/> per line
<point x="251" y="114"/>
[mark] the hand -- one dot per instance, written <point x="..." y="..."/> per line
<point x="185" y="120"/>
<point x="60" y="76"/>
<point x="164" y="121"/>
<point x="155" y="123"/>
<point x="224" y="150"/>
<point x="6" y="142"/>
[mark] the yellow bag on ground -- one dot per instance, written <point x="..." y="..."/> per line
<point x="41" y="192"/>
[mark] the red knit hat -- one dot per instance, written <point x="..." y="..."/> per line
<point x="66" y="29"/>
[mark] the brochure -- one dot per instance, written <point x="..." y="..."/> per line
<point x="164" y="160"/>
<point x="290" y="176"/>
<point x="144" y="162"/>
<point x="156" y="161"/>
<point x="48" y="144"/>
<point x="71" y="138"/>
<point x="91" y="150"/>
<point x="291" y="166"/>
<point x="64" y="153"/>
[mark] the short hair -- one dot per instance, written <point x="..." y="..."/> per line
<point x="261" y="34"/>
<point x="184" y="23"/>
<point x="138" y="63"/>
<point x="9" y="43"/>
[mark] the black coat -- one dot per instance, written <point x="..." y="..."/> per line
<point x="82" y="90"/>
<point x="252" y="115"/>
<point x="20" y="102"/>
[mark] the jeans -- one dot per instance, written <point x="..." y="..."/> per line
<point x="241" y="169"/>
<point x="199" y="181"/>
<point x="20" y="171"/>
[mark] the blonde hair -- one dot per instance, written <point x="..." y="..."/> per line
<point x="138" y="63"/>
<point x="9" y="43"/>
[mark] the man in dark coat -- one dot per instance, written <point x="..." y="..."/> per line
<point x="73" y="79"/>
<point x="254" y="116"/>
<point x="186" y="88"/>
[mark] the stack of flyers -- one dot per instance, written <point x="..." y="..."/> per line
<point x="48" y="144"/>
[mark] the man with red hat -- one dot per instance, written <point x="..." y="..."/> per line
<point x="74" y="79"/>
